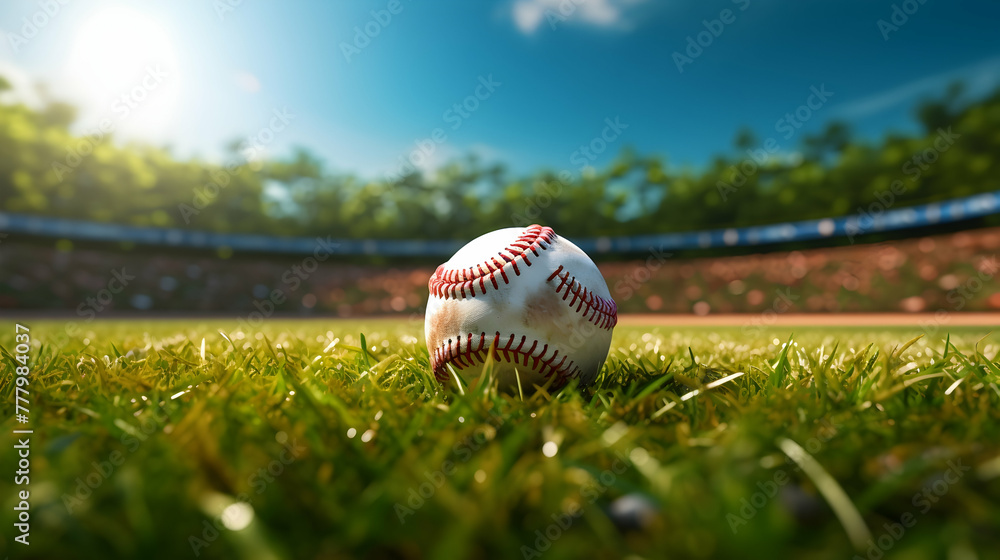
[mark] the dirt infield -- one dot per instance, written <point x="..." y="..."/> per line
<point x="918" y="320"/>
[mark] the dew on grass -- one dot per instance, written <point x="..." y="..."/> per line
<point x="639" y="456"/>
<point x="633" y="512"/>
<point x="724" y="430"/>
<point x="237" y="516"/>
<point x="614" y="433"/>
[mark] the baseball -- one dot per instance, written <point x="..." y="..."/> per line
<point x="533" y="298"/>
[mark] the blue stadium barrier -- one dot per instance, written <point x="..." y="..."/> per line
<point x="851" y="226"/>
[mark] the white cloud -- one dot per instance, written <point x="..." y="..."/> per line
<point x="529" y="15"/>
<point x="979" y="79"/>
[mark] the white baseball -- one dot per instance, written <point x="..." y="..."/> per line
<point x="533" y="297"/>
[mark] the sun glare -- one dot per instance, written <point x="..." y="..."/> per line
<point x="123" y="67"/>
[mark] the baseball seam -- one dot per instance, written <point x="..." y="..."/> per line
<point x="460" y="283"/>
<point x="451" y="352"/>
<point x="597" y="310"/>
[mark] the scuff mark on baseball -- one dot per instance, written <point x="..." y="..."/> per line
<point x="534" y="299"/>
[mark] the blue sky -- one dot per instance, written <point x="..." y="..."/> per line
<point x="208" y="74"/>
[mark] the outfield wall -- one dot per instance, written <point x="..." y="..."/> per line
<point x="878" y="217"/>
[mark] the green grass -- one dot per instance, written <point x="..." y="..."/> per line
<point x="368" y="429"/>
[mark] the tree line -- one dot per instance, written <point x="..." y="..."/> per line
<point x="45" y="169"/>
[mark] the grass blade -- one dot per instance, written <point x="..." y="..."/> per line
<point x="841" y="504"/>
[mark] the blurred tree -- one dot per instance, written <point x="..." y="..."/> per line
<point x="745" y="139"/>
<point x="939" y="113"/>
<point x="828" y="144"/>
<point x="46" y="170"/>
<point x="58" y="115"/>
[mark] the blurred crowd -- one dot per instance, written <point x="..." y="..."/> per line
<point x="950" y="272"/>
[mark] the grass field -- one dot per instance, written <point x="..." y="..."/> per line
<point x="170" y="439"/>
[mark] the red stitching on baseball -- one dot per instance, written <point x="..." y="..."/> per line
<point x="451" y="352"/>
<point x="605" y="312"/>
<point x="461" y="283"/>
